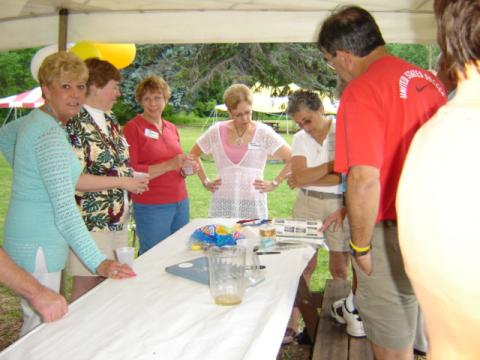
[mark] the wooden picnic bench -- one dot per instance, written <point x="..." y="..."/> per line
<point x="331" y="341"/>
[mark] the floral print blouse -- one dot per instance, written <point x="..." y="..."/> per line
<point x="103" y="155"/>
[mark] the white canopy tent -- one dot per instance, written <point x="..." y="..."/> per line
<point x="30" y="23"/>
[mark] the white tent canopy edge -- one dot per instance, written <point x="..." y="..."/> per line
<point x="30" y="23"/>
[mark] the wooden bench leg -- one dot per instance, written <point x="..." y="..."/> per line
<point x="308" y="302"/>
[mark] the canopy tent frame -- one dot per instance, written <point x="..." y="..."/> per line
<point x="198" y="21"/>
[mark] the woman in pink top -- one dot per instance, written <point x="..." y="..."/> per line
<point x="154" y="147"/>
<point x="240" y="148"/>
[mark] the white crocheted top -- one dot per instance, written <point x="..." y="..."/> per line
<point x="236" y="197"/>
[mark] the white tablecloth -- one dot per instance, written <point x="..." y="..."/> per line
<point x="157" y="315"/>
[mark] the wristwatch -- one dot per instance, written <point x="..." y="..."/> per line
<point x="275" y="183"/>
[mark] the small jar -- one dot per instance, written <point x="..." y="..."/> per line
<point x="268" y="236"/>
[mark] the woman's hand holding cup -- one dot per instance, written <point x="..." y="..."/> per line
<point x="115" y="270"/>
<point x="136" y="184"/>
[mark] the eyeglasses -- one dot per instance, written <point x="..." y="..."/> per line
<point x="328" y="62"/>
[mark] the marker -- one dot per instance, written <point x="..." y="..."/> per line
<point x="267" y="252"/>
<point x="255" y="267"/>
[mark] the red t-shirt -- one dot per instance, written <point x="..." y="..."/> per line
<point x="379" y="113"/>
<point x="148" y="147"/>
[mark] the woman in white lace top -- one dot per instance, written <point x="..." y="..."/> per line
<point x="240" y="148"/>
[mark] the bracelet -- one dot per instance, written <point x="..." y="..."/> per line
<point x="360" y="251"/>
<point x="206" y="182"/>
<point x="275" y="183"/>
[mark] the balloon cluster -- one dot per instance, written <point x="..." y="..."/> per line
<point x="119" y="55"/>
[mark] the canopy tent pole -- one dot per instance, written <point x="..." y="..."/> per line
<point x="62" y="46"/>
<point x="62" y="29"/>
<point x="8" y="116"/>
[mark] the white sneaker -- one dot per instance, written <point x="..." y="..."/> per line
<point x="353" y="320"/>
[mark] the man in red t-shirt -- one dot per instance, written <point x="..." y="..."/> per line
<point x="385" y="102"/>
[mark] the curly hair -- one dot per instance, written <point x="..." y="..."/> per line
<point x="302" y="99"/>
<point x="62" y="65"/>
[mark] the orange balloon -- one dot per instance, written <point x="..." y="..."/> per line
<point x="120" y="55"/>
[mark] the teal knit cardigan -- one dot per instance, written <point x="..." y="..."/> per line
<point x="42" y="212"/>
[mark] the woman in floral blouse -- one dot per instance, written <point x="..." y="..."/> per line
<point x="97" y="141"/>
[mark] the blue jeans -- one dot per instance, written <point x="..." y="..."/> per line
<point x="156" y="222"/>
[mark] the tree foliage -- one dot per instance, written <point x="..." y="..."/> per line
<point x="15" y="71"/>
<point x="198" y="74"/>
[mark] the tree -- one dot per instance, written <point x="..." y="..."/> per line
<point x="421" y="55"/>
<point x="198" y="74"/>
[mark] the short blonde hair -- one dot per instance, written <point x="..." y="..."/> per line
<point x="235" y="94"/>
<point x="152" y="84"/>
<point x="62" y="65"/>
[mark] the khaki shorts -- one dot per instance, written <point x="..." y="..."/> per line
<point x="107" y="242"/>
<point x="308" y="207"/>
<point x="385" y="299"/>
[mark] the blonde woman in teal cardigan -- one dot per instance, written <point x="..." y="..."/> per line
<point x="43" y="220"/>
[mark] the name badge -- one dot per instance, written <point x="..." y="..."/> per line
<point x="151" y="134"/>
<point x="253" y="146"/>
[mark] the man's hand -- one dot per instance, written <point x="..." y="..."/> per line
<point x="336" y="218"/>
<point x="50" y="305"/>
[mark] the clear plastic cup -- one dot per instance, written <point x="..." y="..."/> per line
<point x="125" y="255"/>
<point x="226" y="270"/>
<point x="187" y="167"/>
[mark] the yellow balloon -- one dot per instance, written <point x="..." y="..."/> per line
<point x="85" y="50"/>
<point x="120" y="55"/>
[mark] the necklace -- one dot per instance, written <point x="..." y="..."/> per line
<point x="239" y="139"/>
<point x="47" y="109"/>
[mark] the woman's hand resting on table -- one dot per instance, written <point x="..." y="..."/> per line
<point x="114" y="270"/>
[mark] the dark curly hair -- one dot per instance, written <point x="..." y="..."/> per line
<point x="301" y="99"/>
